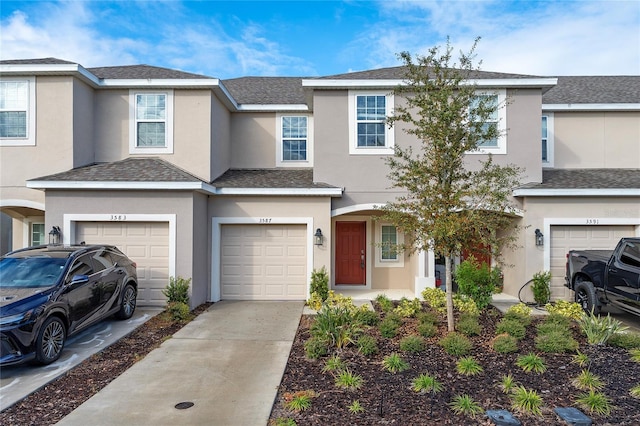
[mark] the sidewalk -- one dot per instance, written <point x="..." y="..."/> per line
<point x="228" y="362"/>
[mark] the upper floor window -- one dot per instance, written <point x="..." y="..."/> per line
<point x="293" y="134"/>
<point x="368" y="131"/>
<point x="151" y="122"/>
<point x="547" y="140"/>
<point x="495" y="120"/>
<point x="17" y="112"/>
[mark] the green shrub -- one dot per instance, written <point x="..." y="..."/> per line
<point x="507" y="383"/>
<point x="408" y="308"/>
<point x="388" y="327"/>
<point x="531" y="363"/>
<point x="465" y="304"/>
<point x="580" y="359"/>
<point x="469" y="325"/>
<point x="519" y="308"/>
<point x="570" y="310"/>
<point x="624" y="340"/>
<point x="320" y="283"/>
<point x="393" y="363"/>
<point x="316" y="347"/>
<point x="435" y="298"/>
<point x="599" y="329"/>
<point x="427" y="330"/>
<point x="412" y="344"/>
<point x="356" y="407"/>
<point x="527" y="401"/>
<point x="334" y="363"/>
<point x="367" y="345"/>
<point x="465" y="405"/>
<point x="336" y="325"/>
<point x="595" y="402"/>
<point x="504" y="344"/>
<point x="298" y="401"/>
<point x="455" y="344"/>
<point x="558" y="319"/>
<point x="587" y="380"/>
<point x="512" y="327"/>
<point x="346" y="379"/>
<point x="367" y="317"/>
<point x="179" y="311"/>
<point x="426" y="383"/>
<point x="282" y="421"/>
<point x="384" y="303"/>
<point x="177" y="290"/>
<point x="556" y="342"/>
<point x="553" y="327"/>
<point x="635" y="391"/>
<point x="468" y="366"/>
<point x="427" y="317"/>
<point x="476" y="281"/>
<point x="540" y="287"/>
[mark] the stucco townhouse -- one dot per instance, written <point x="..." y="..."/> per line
<point x="246" y="185"/>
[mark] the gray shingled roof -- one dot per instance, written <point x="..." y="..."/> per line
<point x="266" y="90"/>
<point x="398" y="73"/>
<point x="587" y="179"/>
<point x="268" y="178"/>
<point x="46" y="61"/>
<point x="142" y="72"/>
<point x="128" y="170"/>
<point x="594" y="90"/>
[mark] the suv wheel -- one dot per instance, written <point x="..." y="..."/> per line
<point x="128" y="303"/>
<point x="50" y="341"/>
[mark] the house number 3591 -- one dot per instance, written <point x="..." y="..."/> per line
<point x="592" y="221"/>
<point x="118" y="217"/>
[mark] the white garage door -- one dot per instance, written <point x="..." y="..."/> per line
<point x="573" y="237"/>
<point x="263" y="262"/>
<point x="146" y="243"/>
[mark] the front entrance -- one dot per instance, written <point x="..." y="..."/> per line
<point x="351" y="256"/>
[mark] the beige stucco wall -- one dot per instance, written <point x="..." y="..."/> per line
<point x="220" y="151"/>
<point x="364" y="177"/>
<point x="83" y="119"/>
<point x="597" y="139"/>
<point x="253" y="143"/>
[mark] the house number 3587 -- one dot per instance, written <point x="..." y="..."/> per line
<point x="265" y="220"/>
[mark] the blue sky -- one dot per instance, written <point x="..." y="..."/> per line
<point x="229" y="39"/>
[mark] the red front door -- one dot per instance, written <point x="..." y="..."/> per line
<point x="350" y="253"/>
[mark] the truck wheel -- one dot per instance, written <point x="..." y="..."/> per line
<point x="586" y="296"/>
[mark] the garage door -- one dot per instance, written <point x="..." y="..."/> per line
<point x="146" y="243"/>
<point x="571" y="237"/>
<point x="263" y="262"/>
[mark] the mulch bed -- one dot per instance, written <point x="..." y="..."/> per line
<point x="54" y="401"/>
<point x="388" y="399"/>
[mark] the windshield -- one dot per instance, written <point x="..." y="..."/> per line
<point x="30" y="271"/>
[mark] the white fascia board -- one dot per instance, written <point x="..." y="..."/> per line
<point x="273" y="107"/>
<point x="44" y="184"/>
<point x="568" y="192"/>
<point x="490" y="82"/>
<point x="590" y="107"/>
<point x="161" y="82"/>
<point x="51" y="69"/>
<point x="331" y="192"/>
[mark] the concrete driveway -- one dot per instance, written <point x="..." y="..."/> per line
<point x="17" y="382"/>
<point x="226" y="367"/>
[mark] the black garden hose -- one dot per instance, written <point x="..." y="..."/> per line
<point x="520" y="291"/>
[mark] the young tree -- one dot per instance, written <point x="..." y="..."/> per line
<point x="451" y="201"/>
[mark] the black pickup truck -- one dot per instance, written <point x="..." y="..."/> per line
<point x="601" y="277"/>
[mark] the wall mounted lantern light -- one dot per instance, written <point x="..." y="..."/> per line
<point x="54" y="235"/>
<point x="318" y="237"/>
<point x="539" y="238"/>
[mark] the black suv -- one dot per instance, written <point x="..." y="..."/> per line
<point x="49" y="293"/>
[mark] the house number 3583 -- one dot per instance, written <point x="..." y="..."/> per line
<point x="118" y="217"/>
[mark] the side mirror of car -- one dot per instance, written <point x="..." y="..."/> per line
<point x="79" y="279"/>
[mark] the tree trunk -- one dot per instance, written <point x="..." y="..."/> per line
<point x="449" y="280"/>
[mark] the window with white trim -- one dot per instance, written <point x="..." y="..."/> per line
<point x="294" y="140"/>
<point x="151" y="122"/>
<point x="17" y="112"/>
<point x="368" y="130"/>
<point x="497" y="119"/>
<point x="37" y="236"/>
<point x="389" y="239"/>
<point x="547" y="140"/>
